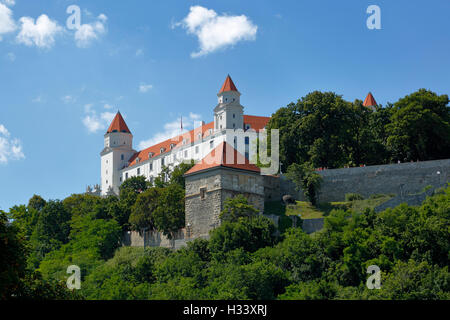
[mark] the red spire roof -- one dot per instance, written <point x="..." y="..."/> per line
<point x="224" y="155"/>
<point x="228" y="85"/>
<point x="370" y="101"/>
<point x="118" y="125"/>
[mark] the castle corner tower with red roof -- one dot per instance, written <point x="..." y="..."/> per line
<point x="118" y="148"/>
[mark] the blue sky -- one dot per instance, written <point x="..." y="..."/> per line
<point x="159" y="60"/>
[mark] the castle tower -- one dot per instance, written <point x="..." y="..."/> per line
<point x="370" y="102"/>
<point x="228" y="114"/>
<point x="115" y="155"/>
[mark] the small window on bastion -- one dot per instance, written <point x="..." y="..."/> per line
<point x="202" y="193"/>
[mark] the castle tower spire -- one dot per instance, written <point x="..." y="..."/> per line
<point x="118" y="124"/>
<point x="117" y="151"/>
<point x="228" y="114"/>
<point x="370" y="101"/>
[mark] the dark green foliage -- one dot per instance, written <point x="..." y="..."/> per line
<point x="353" y="197"/>
<point x="420" y="127"/>
<point x="237" y="207"/>
<point x="327" y="131"/>
<point x="37" y="203"/>
<point x="250" y="234"/>
<point x="306" y="179"/>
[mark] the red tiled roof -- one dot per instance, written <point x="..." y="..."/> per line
<point x="177" y="141"/>
<point x="255" y="122"/>
<point x="369" y="101"/>
<point x="228" y="85"/>
<point x="118" y="125"/>
<point x="224" y="155"/>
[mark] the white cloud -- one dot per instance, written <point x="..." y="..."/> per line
<point x="9" y="3"/>
<point x="41" y="34"/>
<point x="7" y="23"/>
<point x="171" y="130"/>
<point x="89" y="32"/>
<point x="139" y="52"/>
<point x="68" y="99"/>
<point x="95" y="122"/>
<point x="145" y="87"/>
<point x="10" y="148"/>
<point x="214" y="31"/>
<point x="107" y="106"/>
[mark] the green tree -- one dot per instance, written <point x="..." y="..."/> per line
<point x="142" y="212"/>
<point x="317" y="129"/>
<point x="420" y="127"/>
<point x="169" y="213"/>
<point x="237" y="207"/>
<point x="305" y="179"/>
<point x="36" y="202"/>
<point x="248" y="234"/>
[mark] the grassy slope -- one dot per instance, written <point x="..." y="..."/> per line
<point x="308" y="211"/>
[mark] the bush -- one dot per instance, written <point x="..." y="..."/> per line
<point x="353" y="197"/>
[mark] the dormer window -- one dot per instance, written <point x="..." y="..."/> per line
<point x="172" y="145"/>
<point x="138" y="159"/>
<point x="150" y="154"/>
<point x="162" y="150"/>
<point x="199" y="136"/>
<point x="247" y="126"/>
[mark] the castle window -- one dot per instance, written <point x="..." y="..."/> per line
<point x="247" y="140"/>
<point x="185" y="153"/>
<point x="199" y="136"/>
<point x="150" y="154"/>
<point x="162" y="161"/>
<point x="106" y="181"/>
<point x="137" y="160"/>
<point x="121" y="157"/>
<point x="151" y="166"/>
<point x="211" y="144"/>
<point x="234" y="125"/>
<point x="202" y="193"/>
<point x="196" y="149"/>
<point x="162" y="150"/>
<point x="247" y="126"/>
<point x="247" y="155"/>
<point x="126" y="175"/>
<point x="234" y="115"/>
<point x="120" y="179"/>
<point x="172" y="145"/>
<point x="138" y="171"/>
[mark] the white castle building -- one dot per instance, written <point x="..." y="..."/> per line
<point x="119" y="161"/>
